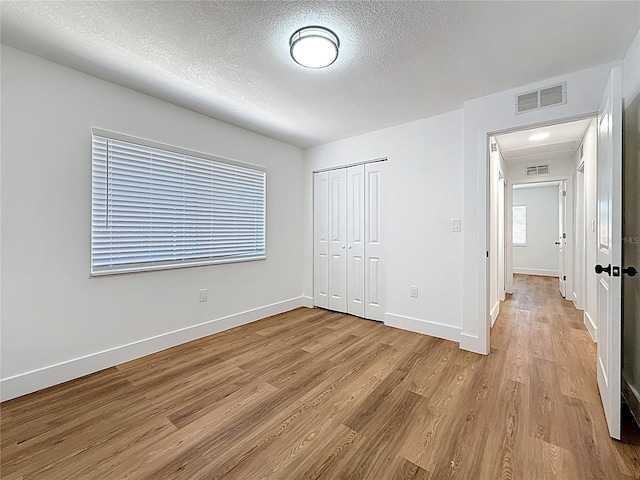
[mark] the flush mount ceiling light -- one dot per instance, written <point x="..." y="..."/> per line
<point x="539" y="136"/>
<point x="314" y="47"/>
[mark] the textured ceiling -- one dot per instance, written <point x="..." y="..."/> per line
<point x="398" y="62"/>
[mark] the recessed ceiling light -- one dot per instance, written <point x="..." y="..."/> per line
<point x="314" y="47"/>
<point x="539" y="136"/>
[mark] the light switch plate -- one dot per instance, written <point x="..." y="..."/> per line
<point x="203" y="295"/>
<point x="456" y="225"/>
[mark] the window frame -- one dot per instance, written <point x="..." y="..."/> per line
<point x="513" y="242"/>
<point x="97" y="271"/>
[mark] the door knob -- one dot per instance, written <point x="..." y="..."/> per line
<point x="557" y="243"/>
<point x="600" y="269"/>
<point x="349" y="247"/>
<point x="343" y="247"/>
<point x="631" y="271"/>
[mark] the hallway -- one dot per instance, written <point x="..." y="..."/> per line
<point x="550" y="354"/>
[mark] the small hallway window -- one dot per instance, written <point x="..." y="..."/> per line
<point x="519" y="225"/>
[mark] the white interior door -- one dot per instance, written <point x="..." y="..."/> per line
<point x="338" y="240"/>
<point x="321" y="239"/>
<point x="609" y="254"/>
<point x="355" y="240"/>
<point x="374" y="248"/>
<point x="562" y="239"/>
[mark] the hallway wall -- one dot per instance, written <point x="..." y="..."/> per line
<point x="540" y="255"/>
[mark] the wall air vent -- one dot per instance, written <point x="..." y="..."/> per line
<point x="545" y="97"/>
<point x="537" y="170"/>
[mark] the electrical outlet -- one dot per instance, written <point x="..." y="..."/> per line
<point x="203" y="295"/>
<point x="414" y="292"/>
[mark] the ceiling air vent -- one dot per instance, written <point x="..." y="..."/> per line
<point x="545" y="97"/>
<point x="538" y="170"/>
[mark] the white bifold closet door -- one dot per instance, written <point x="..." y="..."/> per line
<point x="355" y="240"/>
<point x="348" y="274"/>
<point x="321" y="239"/>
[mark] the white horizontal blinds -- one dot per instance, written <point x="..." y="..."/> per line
<point x="154" y="208"/>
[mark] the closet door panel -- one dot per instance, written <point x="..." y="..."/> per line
<point x="338" y="240"/>
<point x="355" y="240"/>
<point x="374" y="251"/>
<point x="321" y="239"/>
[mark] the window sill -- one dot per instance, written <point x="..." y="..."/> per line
<point x="171" y="266"/>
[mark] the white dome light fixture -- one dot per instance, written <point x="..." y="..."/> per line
<point x="314" y="47"/>
<point x="539" y="136"/>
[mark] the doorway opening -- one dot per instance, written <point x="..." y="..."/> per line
<point x="538" y="201"/>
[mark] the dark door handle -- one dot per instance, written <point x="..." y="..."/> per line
<point x="631" y="271"/>
<point x="557" y="243"/>
<point x="600" y="269"/>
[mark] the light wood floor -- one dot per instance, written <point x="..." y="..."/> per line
<point x="312" y="394"/>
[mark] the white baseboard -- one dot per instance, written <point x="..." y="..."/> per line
<point x="577" y="301"/>
<point x="494" y="312"/>
<point x="591" y="326"/>
<point x="536" y="271"/>
<point x="32" y="381"/>
<point x="425" y="327"/>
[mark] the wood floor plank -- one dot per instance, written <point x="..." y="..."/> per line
<point x="518" y="357"/>
<point x="377" y="455"/>
<point x="312" y="394"/>
<point x="432" y="424"/>
<point x="502" y="445"/>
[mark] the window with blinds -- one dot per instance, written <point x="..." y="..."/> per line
<point x="156" y="207"/>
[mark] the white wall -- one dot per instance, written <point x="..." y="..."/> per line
<point x="492" y="114"/>
<point x="540" y="255"/>
<point x="631" y="221"/>
<point x="422" y="193"/>
<point x="561" y="166"/>
<point x="57" y="323"/>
